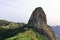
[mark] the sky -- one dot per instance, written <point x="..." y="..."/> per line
<point x="21" y="10"/>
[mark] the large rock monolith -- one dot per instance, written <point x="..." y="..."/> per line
<point x="38" y="22"/>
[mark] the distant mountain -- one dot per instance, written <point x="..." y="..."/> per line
<point x="57" y="31"/>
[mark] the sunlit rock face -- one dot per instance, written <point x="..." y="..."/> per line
<point x="38" y="22"/>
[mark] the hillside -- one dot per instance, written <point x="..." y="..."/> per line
<point x="36" y="28"/>
<point x="17" y="31"/>
<point x="28" y="35"/>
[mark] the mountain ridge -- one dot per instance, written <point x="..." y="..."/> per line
<point x="37" y="23"/>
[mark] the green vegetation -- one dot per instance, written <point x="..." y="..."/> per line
<point x="18" y="31"/>
<point x="28" y="35"/>
<point x="4" y="22"/>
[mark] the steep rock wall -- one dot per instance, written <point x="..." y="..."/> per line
<point x="38" y="22"/>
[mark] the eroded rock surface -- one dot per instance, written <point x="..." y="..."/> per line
<point x="38" y="22"/>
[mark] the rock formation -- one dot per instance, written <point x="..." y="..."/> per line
<point x="38" y="22"/>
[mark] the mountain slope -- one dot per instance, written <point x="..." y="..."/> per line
<point x="39" y="22"/>
<point x="36" y="28"/>
<point x="28" y="35"/>
<point x="18" y="31"/>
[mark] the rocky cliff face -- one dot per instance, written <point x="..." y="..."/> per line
<point x="38" y="22"/>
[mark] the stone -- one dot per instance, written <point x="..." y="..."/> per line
<point x="38" y="22"/>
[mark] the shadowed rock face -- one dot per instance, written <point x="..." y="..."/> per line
<point x="38" y="22"/>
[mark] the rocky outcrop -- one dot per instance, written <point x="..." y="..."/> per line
<point x="38" y="22"/>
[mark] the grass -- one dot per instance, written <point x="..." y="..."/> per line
<point x="28" y="35"/>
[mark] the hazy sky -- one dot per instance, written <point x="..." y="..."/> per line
<point x="21" y="10"/>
